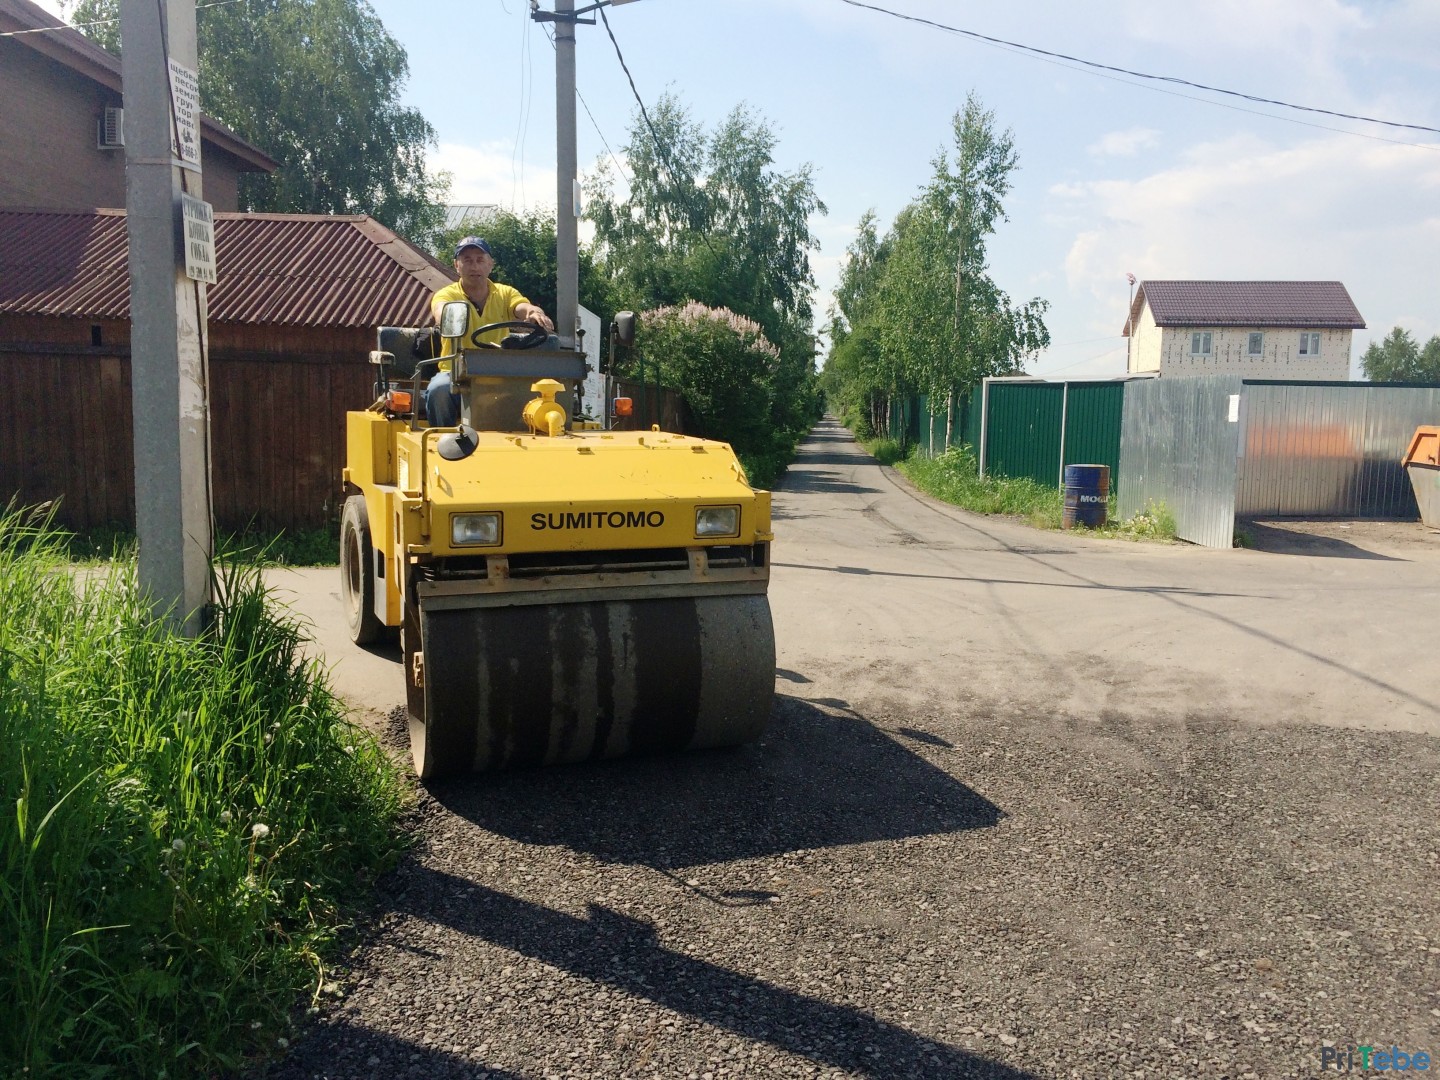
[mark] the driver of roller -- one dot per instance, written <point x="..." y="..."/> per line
<point x="490" y="302"/>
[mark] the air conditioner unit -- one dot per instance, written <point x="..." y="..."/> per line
<point x="111" y="129"/>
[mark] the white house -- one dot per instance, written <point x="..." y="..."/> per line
<point x="1254" y="329"/>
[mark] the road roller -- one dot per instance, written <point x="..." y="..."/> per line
<point x="562" y="592"/>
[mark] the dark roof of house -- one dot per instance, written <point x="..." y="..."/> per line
<point x="279" y="269"/>
<point x="36" y="28"/>
<point x="1316" y="305"/>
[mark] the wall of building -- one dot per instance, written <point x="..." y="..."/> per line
<point x="49" y="156"/>
<point x="1145" y="343"/>
<point x="1281" y="358"/>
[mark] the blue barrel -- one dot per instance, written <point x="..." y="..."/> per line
<point x="1087" y="495"/>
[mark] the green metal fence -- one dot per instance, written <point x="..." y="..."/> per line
<point x="1032" y="428"/>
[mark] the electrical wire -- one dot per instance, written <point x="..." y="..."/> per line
<point x="527" y="95"/>
<point x="654" y="135"/>
<point x="1137" y="74"/>
<point x="605" y="142"/>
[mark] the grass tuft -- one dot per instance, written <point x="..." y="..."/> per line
<point x="186" y="821"/>
<point x="285" y="547"/>
<point x="954" y="476"/>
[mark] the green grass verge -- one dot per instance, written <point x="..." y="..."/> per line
<point x="284" y="547"/>
<point x="187" y="822"/>
<point x="954" y="477"/>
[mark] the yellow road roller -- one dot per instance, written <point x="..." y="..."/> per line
<point x="563" y="593"/>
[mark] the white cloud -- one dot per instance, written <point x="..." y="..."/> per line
<point x="1334" y="208"/>
<point x="1124" y="143"/>
<point x="490" y="173"/>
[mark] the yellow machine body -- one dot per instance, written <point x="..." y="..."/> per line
<point x="564" y="593"/>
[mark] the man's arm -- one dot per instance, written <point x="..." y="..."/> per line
<point x="528" y="312"/>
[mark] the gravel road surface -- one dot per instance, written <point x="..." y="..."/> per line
<point x="1030" y="805"/>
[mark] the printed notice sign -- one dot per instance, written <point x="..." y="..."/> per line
<point x="198" y="238"/>
<point x="185" y="103"/>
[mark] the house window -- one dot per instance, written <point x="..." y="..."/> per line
<point x="1255" y="345"/>
<point x="1310" y="344"/>
<point x="1200" y="343"/>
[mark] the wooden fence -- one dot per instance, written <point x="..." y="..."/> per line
<point x="277" y="435"/>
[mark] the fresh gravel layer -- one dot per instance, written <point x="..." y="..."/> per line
<point x="991" y="895"/>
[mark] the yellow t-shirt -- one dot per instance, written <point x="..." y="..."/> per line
<point x="500" y="306"/>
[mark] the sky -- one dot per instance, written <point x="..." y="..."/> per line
<point x="1117" y="174"/>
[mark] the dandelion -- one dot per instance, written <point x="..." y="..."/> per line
<point x="259" y="830"/>
<point x="269" y="738"/>
<point x="225" y="817"/>
<point x="254" y="1025"/>
<point x="177" y="845"/>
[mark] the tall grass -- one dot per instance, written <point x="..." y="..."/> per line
<point x="954" y="476"/>
<point x="185" y="822"/>
<point x="282" y="547"/>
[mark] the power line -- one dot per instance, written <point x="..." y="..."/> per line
<point x="605" y="142"/>
<point x="1137" y="74"/>
<point x="654" y="135"/>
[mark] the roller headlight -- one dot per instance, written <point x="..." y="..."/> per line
<point x="474" y="530"/>
<point x="717" y="521"/>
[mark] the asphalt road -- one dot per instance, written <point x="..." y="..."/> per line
<point x="1030" y="804"/>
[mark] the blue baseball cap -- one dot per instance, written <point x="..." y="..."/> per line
<point x="473" y="241"/>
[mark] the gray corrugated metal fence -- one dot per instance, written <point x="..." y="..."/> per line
<point x="1178" y="447"/>
<point x="1329" y="450"/>
<point x="1216" y="448"/>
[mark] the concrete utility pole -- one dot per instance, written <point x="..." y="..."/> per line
<point x="171" y="255"/>
<point x="567" y="241"/>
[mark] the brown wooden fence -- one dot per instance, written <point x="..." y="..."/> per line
<point x="277" y="434"/>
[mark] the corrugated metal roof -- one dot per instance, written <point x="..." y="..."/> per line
<point x="1300" y="304"/>
<point x="277" y="269"/>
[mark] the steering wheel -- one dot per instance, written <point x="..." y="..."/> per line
<point x="536" y="335"/>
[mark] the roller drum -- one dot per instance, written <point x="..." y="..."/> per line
<point x="550" y="683"/>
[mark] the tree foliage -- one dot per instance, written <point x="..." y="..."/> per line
<point x="316" y="85"/>
<point x="1399" y="358"/>
<point x="708" y="218"/>
<point x="524" y="249"/>
<point x="918" y="312"/>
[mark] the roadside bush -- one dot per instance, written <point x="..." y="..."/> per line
<point x="729" y="375"/>
<point x="186" y="821"/>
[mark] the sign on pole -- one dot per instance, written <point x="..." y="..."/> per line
<point x="198" y="238"/>
<point x="185" y="104"/>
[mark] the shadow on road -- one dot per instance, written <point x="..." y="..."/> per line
<point x="815" y="780"/>
<point x="341" y="1051"/>
<point x="1283" y="541"/>
<point x="616" y="950"/>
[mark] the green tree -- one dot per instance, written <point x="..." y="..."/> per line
<point x="316" y="85"/>
<point x="1399" y="358"/>
<point x="922" y="314"/>
<point x="941" y="315"/>
<point x="708" y="217"/>
<point x="524" y="249"/>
